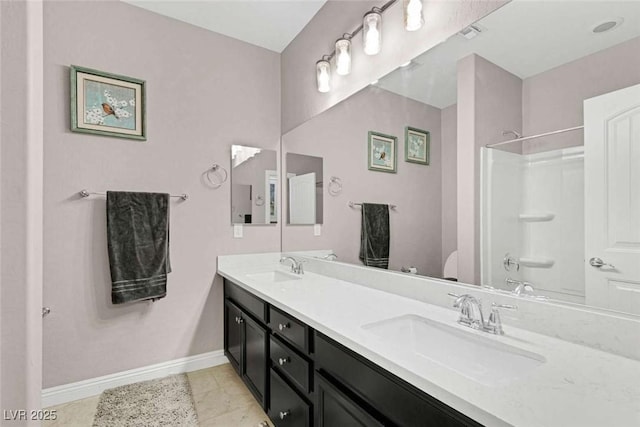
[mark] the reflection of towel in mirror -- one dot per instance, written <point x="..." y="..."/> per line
<point x="374" y="235"/>
<point x="138" y="243"/>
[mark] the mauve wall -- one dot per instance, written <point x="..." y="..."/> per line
<point x="300" y="97"/>
<point x="489" y="101"/>
<point x="205" y="92"/>
<point x="449" y="181"/>
<point x="339" y="135"/>
<point x="553" y="100"/>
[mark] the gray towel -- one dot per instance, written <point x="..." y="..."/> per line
<point x="138" y="240"/>
<point x="374" y="235"/>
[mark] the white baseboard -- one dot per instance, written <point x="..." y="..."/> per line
<point x="94" y="386"/>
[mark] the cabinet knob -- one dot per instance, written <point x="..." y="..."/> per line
<point x="239" y="320"/>
<point x="283" y="326"/>
<point x="284" y="414"/>
<point x="283" y="360"/>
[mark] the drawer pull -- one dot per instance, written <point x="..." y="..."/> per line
<point x="284" y="414"/>
<point x="283" y="326"/>
<point x="283" y="360"/>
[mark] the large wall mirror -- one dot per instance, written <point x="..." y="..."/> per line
<point x="254" y="185"/>
<point x="532" y="186"/>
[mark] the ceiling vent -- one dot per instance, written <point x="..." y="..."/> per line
<point x="471" y="32"/>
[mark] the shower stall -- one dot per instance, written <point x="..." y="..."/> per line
<point x="532" y="215"/>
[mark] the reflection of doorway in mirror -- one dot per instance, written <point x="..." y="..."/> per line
<point x="271" y="184"/>
<point x="302" y="199"/>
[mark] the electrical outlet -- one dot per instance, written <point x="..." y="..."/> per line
<point x="237" y="231"/>
<point x="317" y="229"/>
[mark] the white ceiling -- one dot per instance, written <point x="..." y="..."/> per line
<point x="524" y="37"/>
<point x="271" y="24"/>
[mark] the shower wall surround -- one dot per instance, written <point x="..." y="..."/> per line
<point x="202" y="90"/>
<point x="534" y="210"/>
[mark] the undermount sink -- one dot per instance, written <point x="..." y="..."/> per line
<point x="274" y="276"/>
<point x="483" y="360"/>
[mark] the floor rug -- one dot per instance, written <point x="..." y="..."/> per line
<point x="162" y="402"/>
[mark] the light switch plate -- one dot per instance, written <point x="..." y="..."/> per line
<point x="317" y="229"/>
<point x="237" y="231"/>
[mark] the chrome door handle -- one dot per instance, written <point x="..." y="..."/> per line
<point x="599" y="263"/>
<point x="45" y="311"/>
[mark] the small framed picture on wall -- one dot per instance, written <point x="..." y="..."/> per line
<point x="382" y="152"/>
<point x="107" y="104"/>
<point x="416" y="145"/>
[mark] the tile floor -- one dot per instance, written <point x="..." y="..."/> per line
<point x="222" y="400"/>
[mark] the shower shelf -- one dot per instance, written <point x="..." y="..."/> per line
<point x="536" y="217"/>
<point x="536" y="262"/>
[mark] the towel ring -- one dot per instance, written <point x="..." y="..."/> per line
<point x="222" y="173"/>
<point x="335" y="185"/>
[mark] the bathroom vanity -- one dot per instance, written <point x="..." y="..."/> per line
<point x="298" y="374"/>
<point x="320" y="350"/>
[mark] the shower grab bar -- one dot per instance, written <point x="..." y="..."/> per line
<point x="526" y="138"/>
<point x="86" y="193"/>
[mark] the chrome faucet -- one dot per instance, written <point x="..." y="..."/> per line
<point x="470" y="311"/>
<point x="471" y="314"/>
<point x="296" y="265"/>
<point x="330" y="257"/>
<point x="522" y="287"/>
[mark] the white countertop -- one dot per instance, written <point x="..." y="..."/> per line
<point x="577" y="386"/>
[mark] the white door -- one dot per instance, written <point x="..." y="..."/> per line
<point x="612" y="200"/>
<point x="302" y="199"/>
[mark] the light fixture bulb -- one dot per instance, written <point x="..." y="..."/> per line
<point x="323" y="75"/>
<point x="343" y="57"/>
<point x="413" y="15"/>
<point x="372" y="33"/>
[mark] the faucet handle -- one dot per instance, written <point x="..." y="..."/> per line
<point x="508" y="306"/>
<point x="494" y="325"/>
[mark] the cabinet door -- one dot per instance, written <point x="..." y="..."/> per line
<point x="287" y="409"/>
<point x="255" y="358"/>
<point x="334" y="408"/>
<point x="233" y="335"/>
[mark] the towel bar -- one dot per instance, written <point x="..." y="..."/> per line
<point x="86" y="193"/>
<point x="354" y="204"/>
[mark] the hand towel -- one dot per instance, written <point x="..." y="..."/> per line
<point x="138" y="244"/>
<point x="374" y="235"/>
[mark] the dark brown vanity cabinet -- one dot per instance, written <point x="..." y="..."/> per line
<point x="246" y="346"/>
<point x="303" y="378"/>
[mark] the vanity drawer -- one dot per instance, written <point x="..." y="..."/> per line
<point x="287" y="409"/>
<point x="293" y="366"/>
<point x="292" y="330"/>
<point x="249" y="302"/>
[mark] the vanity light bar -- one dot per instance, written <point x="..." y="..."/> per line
<point x="371" y="28"/>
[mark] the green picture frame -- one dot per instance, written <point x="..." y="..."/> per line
<point x="417" y="144"/>
<point x="107" y="104"/>
<point x="381" y="152"/>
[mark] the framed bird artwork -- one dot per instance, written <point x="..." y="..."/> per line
<point x="107" y="104"/>
<point x="382" y="152"/>
<point x="416" y="145"/>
